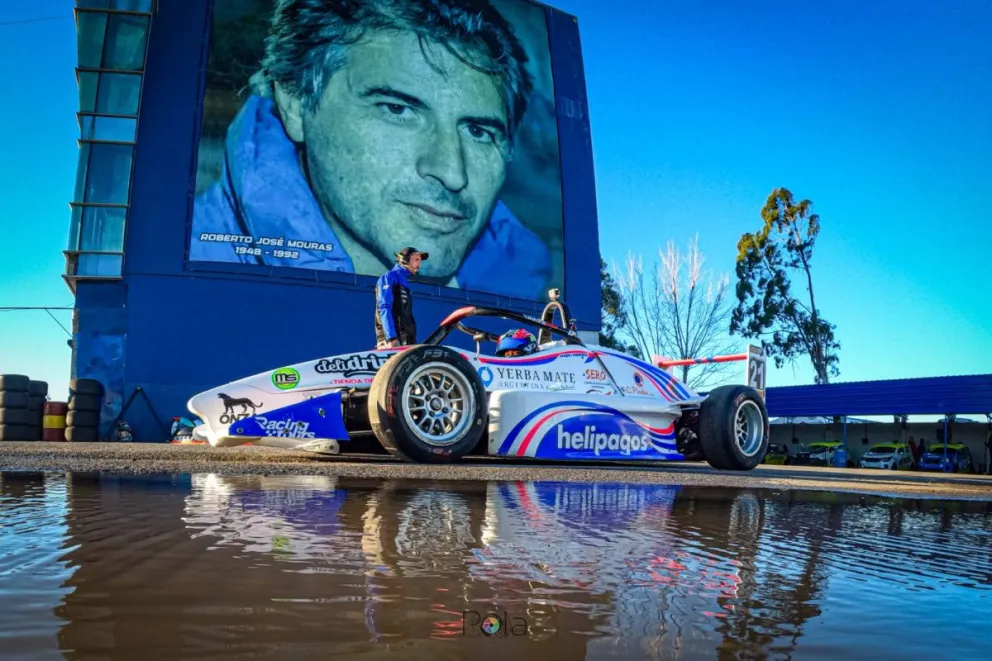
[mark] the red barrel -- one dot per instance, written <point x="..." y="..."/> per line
<point x="53" y="422"/>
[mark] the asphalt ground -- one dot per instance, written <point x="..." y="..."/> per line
<point x="252" y="460"/>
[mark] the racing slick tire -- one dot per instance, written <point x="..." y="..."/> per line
<point x="733" y="428"/>
<point x="455" y="406"/>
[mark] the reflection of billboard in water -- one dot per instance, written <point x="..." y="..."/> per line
<point x="336" y="132"/>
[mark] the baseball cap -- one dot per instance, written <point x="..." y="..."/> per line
<point x="407" y="252"/>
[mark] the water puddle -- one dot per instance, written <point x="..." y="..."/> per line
<point x="212" y="566"/>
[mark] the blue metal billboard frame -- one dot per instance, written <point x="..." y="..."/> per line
<point x="941" y="395"/>
<point x="172" y="329"/>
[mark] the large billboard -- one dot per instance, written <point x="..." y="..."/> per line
<point x="336" y="132"/>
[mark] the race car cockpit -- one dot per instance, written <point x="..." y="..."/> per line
<point x="517" y="341"/>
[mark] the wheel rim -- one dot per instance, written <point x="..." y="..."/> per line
<point x="437" y="404"/>
<point x="749" y="428"/>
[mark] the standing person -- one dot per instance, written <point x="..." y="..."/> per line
<point x="394" y="321"/>
<point x="988" y="453"/>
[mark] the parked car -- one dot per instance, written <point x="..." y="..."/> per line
<point x="888" y="456"/>
<point x="957" y="460"/>
<point x="777" y="453"/>
<point x="818" y="453"/>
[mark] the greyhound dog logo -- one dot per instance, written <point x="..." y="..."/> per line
<point x="243" y="402"/>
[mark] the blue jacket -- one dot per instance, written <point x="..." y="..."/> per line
<point x="262" y="191"/>
<point x="394" y="307"/>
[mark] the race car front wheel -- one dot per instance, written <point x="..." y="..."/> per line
<point x="733" y="428"/>
<point x="428" y="404"/>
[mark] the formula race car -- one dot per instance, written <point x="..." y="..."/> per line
<point x="566" y="400"/>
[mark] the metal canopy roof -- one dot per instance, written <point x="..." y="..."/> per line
<point x="926" y="396"/>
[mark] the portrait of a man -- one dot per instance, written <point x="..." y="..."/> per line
<point x="369" y="125"/>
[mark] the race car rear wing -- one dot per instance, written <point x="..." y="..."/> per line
<point x="754" y="369"/>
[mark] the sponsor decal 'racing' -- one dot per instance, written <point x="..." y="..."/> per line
<point x="285" y="428"/>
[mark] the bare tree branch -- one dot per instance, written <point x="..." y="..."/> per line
<point x="678" y="310"/>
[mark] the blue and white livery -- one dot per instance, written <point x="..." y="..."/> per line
<point x="568" y="401"/>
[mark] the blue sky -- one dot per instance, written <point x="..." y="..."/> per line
<point x="878" y="112"/>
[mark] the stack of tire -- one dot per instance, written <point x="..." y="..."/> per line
<point x="22" y="407"/>
<point x="82" y="422"/>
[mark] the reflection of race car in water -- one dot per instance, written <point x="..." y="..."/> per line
<point x="777" y="453"/>
<point x="958" y="459"/>
<point x="559" y="399"/>
<point x="409" y="558"/>
<point x="620" y="541"/>
<point x="265" y="514"/>
<point x="888" y="456"/>
<point x="818" y="453"/>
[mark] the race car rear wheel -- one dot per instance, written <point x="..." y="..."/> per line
<point x="733" y="428"/>
<point x="428" y="404"/>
